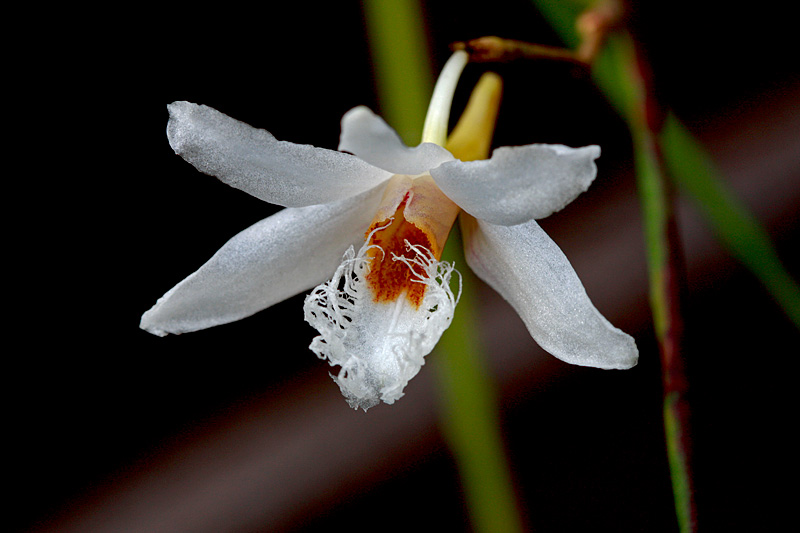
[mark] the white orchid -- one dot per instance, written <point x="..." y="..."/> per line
<point x="387" y="209"/>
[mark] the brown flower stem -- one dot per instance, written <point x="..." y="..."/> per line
<point x="593" y="26"/>
<point x="498" y="50"/>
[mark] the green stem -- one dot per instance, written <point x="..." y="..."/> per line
<point x="666" y="269"/>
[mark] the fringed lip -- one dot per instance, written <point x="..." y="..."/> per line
<point x="380" y="344"/>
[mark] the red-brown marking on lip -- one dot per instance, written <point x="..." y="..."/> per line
<point x="389" y="279"/>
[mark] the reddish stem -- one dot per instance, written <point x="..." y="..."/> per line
<point x="670" y="331"/>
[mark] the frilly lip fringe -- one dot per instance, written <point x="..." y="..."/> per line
<point x="379" y="346"/>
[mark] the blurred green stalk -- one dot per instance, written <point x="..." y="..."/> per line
<point x="469" y="411"/>
<point x="469" y="400"/>
<point x="742" y="234"/>
<point x="666" y="269"/>
<point x="400" y="59"/>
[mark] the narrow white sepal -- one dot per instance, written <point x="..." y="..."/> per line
<point x="272" y="260"/>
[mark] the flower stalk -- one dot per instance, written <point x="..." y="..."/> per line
<point x="493" y="49"/>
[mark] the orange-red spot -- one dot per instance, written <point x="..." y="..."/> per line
<point x="389" y="279"/>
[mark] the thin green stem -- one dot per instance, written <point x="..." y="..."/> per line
<point x="665" y="265"/>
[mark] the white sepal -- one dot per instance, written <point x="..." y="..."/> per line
<point x="272" y="260"/>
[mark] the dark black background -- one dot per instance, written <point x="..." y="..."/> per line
<point x="111" y="219"/>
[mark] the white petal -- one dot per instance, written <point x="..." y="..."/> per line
<point x="519" y="183"/>
<point x="254" y="161"/>
<point x="268" y="262"/>
<point x="380" y="346"/>
<point x="531" y="272"/>
<point x="368" y="136"/>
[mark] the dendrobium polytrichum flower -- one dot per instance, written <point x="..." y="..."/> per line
<point x="365" y="226"/>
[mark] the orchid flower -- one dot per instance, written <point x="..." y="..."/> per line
<point x="364" y="227"/>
